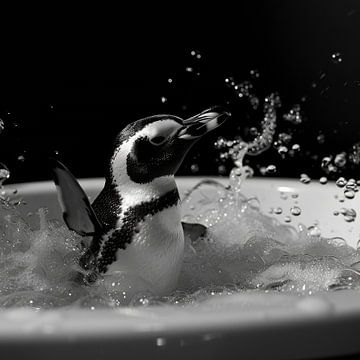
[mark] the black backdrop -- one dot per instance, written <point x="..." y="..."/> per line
<point x="69" y="85"/>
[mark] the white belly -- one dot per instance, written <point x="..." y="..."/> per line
<point x="156" y="252"/>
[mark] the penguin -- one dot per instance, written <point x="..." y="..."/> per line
<point x="135" y="222"/>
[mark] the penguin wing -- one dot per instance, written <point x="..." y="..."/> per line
<point x="77" y="211"/>
<point x="194" y="231"/>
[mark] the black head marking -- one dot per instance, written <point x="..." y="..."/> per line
<point x="123" y="236"/>
<point x="107" y="205"/>
<point x="131" y="129"/>
<point x="148" y="161"/>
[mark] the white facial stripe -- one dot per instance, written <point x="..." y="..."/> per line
<point x="164" y="128"/>
<point x="134" y="193"/>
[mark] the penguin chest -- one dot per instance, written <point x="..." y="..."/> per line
<point x="156" y="251"/>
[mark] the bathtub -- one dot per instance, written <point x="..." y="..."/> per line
<point x="252" y="326"/>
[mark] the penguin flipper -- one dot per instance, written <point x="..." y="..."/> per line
<point x="78" y="214"/>
<point x="194" y="231"/>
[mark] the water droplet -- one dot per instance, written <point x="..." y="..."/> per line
<point x="320" y="138"/>
<point x="354" y="155"/>
<point x="284" y="138"/>
<point x="340" y="159"/>
<point x="4" y="173"/>
<point x="305" y="179"/>
<point x="340" y="182"/>
<point x="287" y="219"/>
<point x="229" y="81"/>
<point x="294" y="115"/>
<point x="352" y="185"/>
<point x="262" y="170"/>
<point x="336" y="213"/>
<point x="282" y="150"/>
<point x="295" y="210"/>
<point x="170" y="80"/>
<point x="220" y="143"/>
<point x="295" y="196"/>
<point x="163" y="99"/>
<point x="161" y="341"/>
<point x="194" y="168"/>
<point x="314" y="231"/>
<point x="325" y="162"/>
<point x="254" y="101"/>
<point x="336" y="58"/>
<point x="21" y="158"/>
<point x="196" y="54"/>
<point x="189" y="69"/>
<point x="323" y="180"/>
<point x="2" y="125"/>
<point x="296" y="147"/>
<point x="270" y="169"/>
<point x="283" y="196"/>
<point x="349" y="194"/>
<point x="254" y="73"/>
<point x="278" y="211"/>
<point x="222" y="169"/>
<point x="243" y="89"/>
<point x="349" y="214"/>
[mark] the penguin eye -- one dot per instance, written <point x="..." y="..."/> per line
<point x="158" y="140"/>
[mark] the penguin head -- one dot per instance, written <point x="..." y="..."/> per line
<point x="156" y="146"/>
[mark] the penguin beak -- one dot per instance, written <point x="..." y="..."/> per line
<point x="200" y="124"/>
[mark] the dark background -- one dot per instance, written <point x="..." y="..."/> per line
<point x="68" y="84"/>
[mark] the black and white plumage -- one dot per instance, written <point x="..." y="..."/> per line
<point x="135" y="221"/>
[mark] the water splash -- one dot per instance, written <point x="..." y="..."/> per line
<point x="264" y="140"/>
<point x="294" y="115"/>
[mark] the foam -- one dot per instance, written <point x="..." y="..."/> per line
<point x="243" y="251"/>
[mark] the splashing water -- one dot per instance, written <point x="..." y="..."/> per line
<point x="243" y="250"/>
